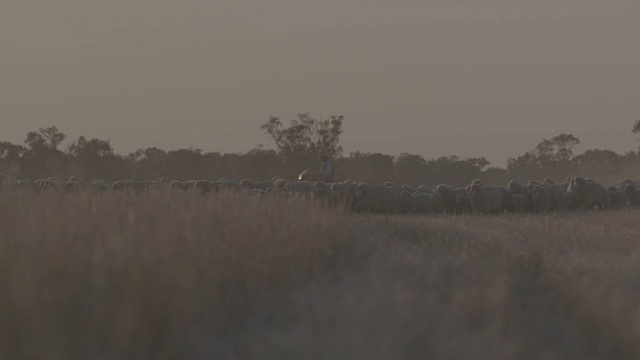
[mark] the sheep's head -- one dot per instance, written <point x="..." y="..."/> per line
<point x="442" y="189"/>
<point x="515" y="187"/>
<point x="362" y="190"/>
<point x="578" y="183"/>
<point x="630" y="191"/>
<point x="537" y="191"/>
<point x="475" y="190"/>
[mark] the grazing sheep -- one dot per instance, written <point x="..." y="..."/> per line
<point x="378" y="198"/>
<point x="118" y="186"/>
<point x="542" y="197"/>
<point x="564" y="201"/>
<point x="226" y="185"/>
<point x="176" y="185"/>
<point x="71" y="186"/>
<point x="532" y="184"/>
<point x="423" y="189"/>
<point x="617" y="198"/>
<point x="75" y="179"/>
<point x="158" y="186"/>
<point x="280" y="184"/>
<point x="246" y="183"/>
<point x="263" y="185"/>
<point x="515" y="187"/>
<point x="419" y="203"/>
<point x="464" y="204"/>
<point x="322" y="191"/>
<point x="50" y="184"/>
<point x="521" y="202"/>
<point x="436" y="202"/>
<point x="203" y="186"/>
<point x="589" y="194"/>
<point x="259" y="193"/>
<point x="139" y="186"/>
<point x="300" y="188"/>
<point x="408" y="188"/>
<point x="633" y="195"/>
<point x="448" y="194"/>
<point x="626" y="182"/>
<point x="98" y="187"/>
<point x="489" y="199"/>
<point x="344" y="194"/>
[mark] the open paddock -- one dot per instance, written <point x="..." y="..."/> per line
<point x="179" y="275"/>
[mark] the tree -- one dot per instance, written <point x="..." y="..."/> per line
<point x="367" y="167"/>
<point x="10" y="157"/>
<point x="43" y="156"/>
<point x="10" y="151"/>
<point x="410" y="169"/>
<point x="557" y="149"/>
<point x="597" y="161"/>
<point x="148" y="163"/>
<point x="93" y="158"/>
<point x="454" y="170"/>
<point x="90" y="149"/>
<point x="305" y="136"/>
<point x="636" y="128"/>
<point x="45" y="138"/>
<point x="548" y="154"/>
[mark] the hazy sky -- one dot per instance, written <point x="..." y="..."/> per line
<point x="466" y="77"/>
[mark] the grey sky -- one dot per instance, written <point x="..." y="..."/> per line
<point x="462" y="77"/>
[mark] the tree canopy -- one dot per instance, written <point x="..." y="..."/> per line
<point x="305" y="136"/>
<point x="47" y="152"/>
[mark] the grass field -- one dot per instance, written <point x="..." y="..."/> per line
<point x="173" y="275"/>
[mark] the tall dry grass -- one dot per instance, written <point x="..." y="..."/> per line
<point x="121" y="276"/>
<point x="173" y="275"/>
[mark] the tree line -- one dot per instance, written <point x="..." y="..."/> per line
<point x="44" y="153"/>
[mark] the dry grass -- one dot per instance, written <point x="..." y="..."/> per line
<point x="183" y="276"/>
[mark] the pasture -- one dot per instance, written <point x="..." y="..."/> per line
<point x="165" y="275"/>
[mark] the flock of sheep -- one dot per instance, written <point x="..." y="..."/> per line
<point x="535" y="196"/>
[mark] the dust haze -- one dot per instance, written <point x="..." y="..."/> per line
<point x="427" y="77"/>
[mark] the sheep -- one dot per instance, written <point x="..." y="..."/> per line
<point x="300" y="188"/>
<point x="408" y="188"/>
<point x="521" y="202"/>
<point x="423" y="189"/>
<point x="203" y="186"/>
<point x="564" y="201"/>
<point x="415" y="203"/>
<point x="617" y="198"/>
<point x="378" y="198"/>
<point x="589" y="194"/>
<point x="489" y="199"/>
<point x="344" y="193"/>
<point x="633" y="195"/>
<point x="176" y="185"/>
<point x="322" y="191"/>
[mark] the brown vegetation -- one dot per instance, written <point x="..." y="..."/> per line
<point x="175" y="275"/>
<point x="45" y="153"/>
